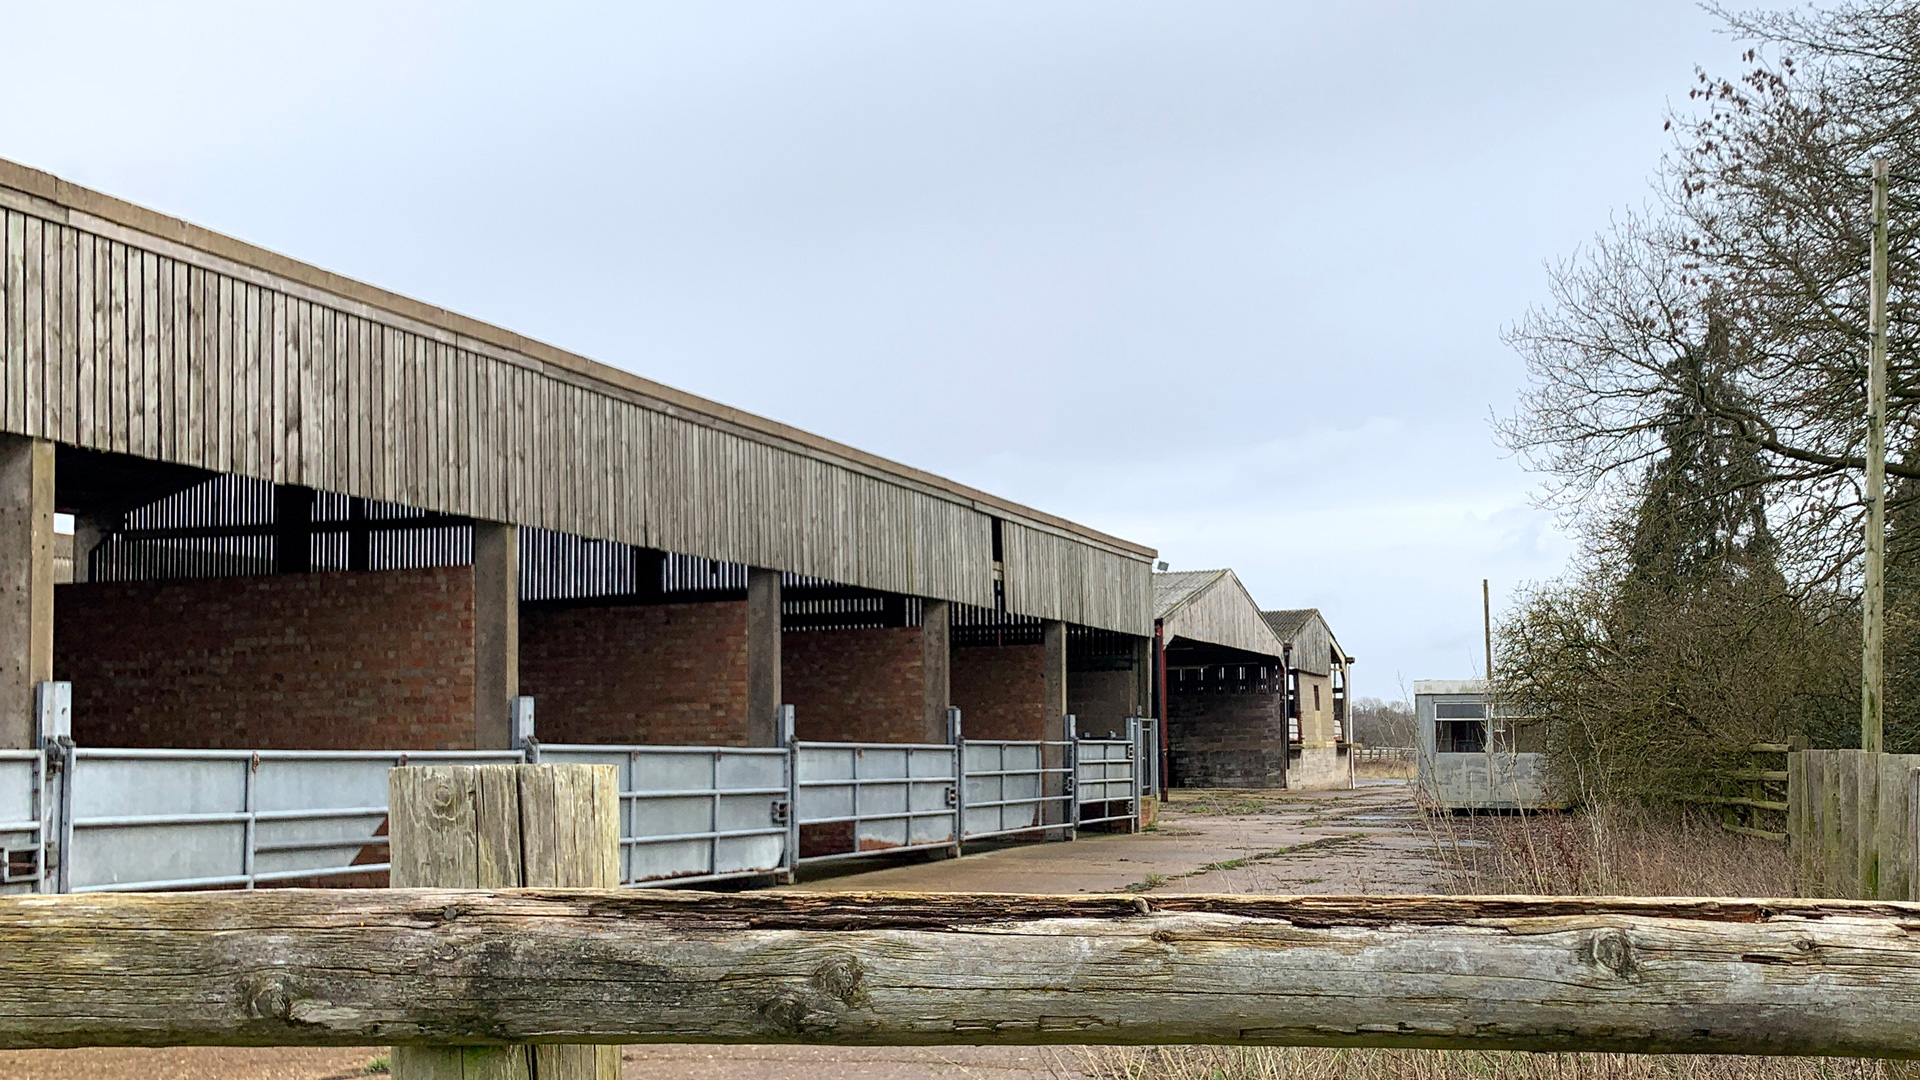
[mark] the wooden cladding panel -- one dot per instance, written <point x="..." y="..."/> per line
<point x="1224" y="614"/>
<point x="1053" y="577"/>
<point x="135" y="344"/>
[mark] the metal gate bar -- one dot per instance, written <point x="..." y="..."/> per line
<point x="915" y="785"/>
<point x="690" y="814"/>
<point x="23" y="820"/>
<point x="154" y="819"/>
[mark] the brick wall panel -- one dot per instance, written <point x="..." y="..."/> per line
<point x="665" y="674"/>
<point x="1002" y="691"/>
<point x="856" y="685"/>
<point x="1227" y="740"/>
<point x="330" y="661"/>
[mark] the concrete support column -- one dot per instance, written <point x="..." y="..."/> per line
<point x="763" y="657"/>
<point x="496" y="632"/>
<point x="1054" y="648"/>
<point x="87" y="534"/>
<point x="26" y="582"/>
<point x="937" y="662"/>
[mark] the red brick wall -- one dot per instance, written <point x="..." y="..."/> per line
<point x="856" y="685"/>
<point x="374" y="661"/>
<point x="1002" y="691"/>
<point x="667" y="674"/>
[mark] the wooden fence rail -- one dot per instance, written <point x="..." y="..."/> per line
<point x="441" y="967"/>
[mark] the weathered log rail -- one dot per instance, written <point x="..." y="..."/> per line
<point x="475" y="967"/>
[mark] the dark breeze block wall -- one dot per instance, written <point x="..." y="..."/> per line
<point x="1227" y="740"/>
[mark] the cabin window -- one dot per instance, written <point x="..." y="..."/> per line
<point x="1460" y="710"/>
<point x="1460" y="736"/>
<point x="1316" y="697"/>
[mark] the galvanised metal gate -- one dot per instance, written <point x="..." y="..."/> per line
<point x="1013" y="787"/>
<point x="23" y="820"/>
<point x="1105" y="781"/>
<point x="858" y="799"/>
<point x="79" y="819"/>
<point x="693" y="813"/>
<point x="134" y="819"/>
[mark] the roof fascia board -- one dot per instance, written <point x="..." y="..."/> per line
<point x="44" y="195"/>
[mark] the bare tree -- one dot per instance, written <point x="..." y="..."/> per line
<point x="1761" y="233"/>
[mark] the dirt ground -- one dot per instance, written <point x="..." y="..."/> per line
<point x="1368" y="840"/>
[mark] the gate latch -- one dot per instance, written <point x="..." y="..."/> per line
<point x="22" y="864"/>
<point x="780" y="811"/>
<point x="953" y="796"/>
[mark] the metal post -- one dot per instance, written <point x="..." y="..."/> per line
<point x="53" y="729"/>
<point x="783" y="732"/>
<point x="1133" y="772"/>
<point x="520" y="724"/>
<point x="250" y="800"/>
<point x="1873" y="600"/>
<point x="1072" y="785"/>
<point x="1163" y="709"/>
<point x="957" y="736"/>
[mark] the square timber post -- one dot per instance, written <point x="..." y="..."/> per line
<point x="505" y="827"/>
<point x="26" y="583"/>
<point x="1055" y="751"/>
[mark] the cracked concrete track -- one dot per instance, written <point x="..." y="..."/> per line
<point x="1367" y="840"/>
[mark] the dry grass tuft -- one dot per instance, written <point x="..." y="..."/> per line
<point x="1219" y="802"/>
<point x="1383" y="770"/>
<point x="1616" y="851"/>
<point x="1607" y="851"/>
<point x="1313" y="1063"/>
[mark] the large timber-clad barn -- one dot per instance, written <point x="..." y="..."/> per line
<point x="312" y="513"/>
<point x="266" y="531"/>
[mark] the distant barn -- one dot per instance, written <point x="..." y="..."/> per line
<point x="1252" y="699"/>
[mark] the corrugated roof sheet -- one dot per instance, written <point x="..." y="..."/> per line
<point x="1286" y="624"/>
<point x="1174" y="589"/>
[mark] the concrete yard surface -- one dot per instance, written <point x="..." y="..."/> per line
<point x="1370" y="839"/>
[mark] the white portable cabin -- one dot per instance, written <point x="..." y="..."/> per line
<point x="1468" y="754"/>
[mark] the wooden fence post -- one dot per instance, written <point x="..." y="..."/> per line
<point x="503" y="827"/>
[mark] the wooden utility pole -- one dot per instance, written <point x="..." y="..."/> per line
<point x="1873" y="608"/>
<point x="1486" y="626"/>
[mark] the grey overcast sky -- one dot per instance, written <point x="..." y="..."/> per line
<point x="1224" y="278"/>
